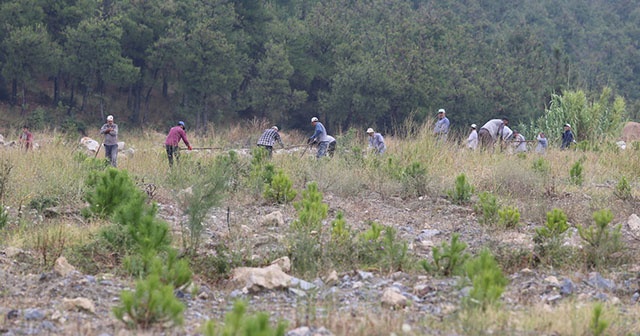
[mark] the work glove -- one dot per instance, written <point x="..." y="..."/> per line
<point x="309" y="141"/>
<point x="190" y="148"/>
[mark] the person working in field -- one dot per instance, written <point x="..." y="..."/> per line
<point x="494" y="130"/>
<point x="472" y="140"/>
<point x="319" y="136"/>
<point x="26" y="138"/>
<point x="519" y="142"/>
<point x="110" y="131"/>
<point x="173" y="139"/>
<point x="441" y="129"/>
<point x="376" y="141"/>
<point x="567" y="137"/>
<point x="268" y="138"/>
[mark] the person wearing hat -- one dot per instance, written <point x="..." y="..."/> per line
<point x="376" y="141"/>
<point x="567" y="137"/>
<point x="173" y="139"/>
<point x="110" y="131"/>
<point x="472" y="140"/>
<point x="441" y="128"/>
<point x="542" y="143"/>
<point x="492" y="131"/>
<point x="268" y="138"/>
<point x="319" y="136"/>
<point x="519" y="142"/>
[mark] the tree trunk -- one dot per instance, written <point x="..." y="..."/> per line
<point x="23" y="105"/>
<point x="14" y="91"/>
<point x="85" y="93"/>
<point x="165" y="87"/>
<point x="56" y="90"/>
<point x="72" y="96"/>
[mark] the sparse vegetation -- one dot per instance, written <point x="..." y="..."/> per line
<point x="487" y="280"/>
<point x="623" y="189"/>
<point x="237" y="322"/>
<point x="462" y="190"/>
<point x="575" y="173"/>
<point x="487" y="207"/>
<point x="549" y="238"/>
<point x="509" y="217"/>
<point x="603" y="241"/>
<point x="448" y="259"/>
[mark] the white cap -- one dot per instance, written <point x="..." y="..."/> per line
<point x="369" y="130"/>
<point x="109" y="118"/>
<point x="567" y="125"/>
<point x="275" y="127"/>
<point x="314" y="119"/>
<point x="473" y="126"/>
<point x="441" y="111"/>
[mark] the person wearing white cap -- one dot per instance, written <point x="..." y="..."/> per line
<point x="319" y="136"/>
<point x="567" y="137"/>
<point x="441" y="128"/>
<point x="472" y="140"/>
<point x="268" y="138"/>
<point x="376" y="141"/>
<point x="110" y="131"/>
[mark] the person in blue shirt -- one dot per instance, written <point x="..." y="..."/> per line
<point x="319" y="136"/>
<point x="376" y="141"/>
<point x="441" y="128"/>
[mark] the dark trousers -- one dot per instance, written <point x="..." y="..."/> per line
<point x="332" y="148"/>
<point x="171" y="151"/>
<point x="268" y="148"/>
<point x="111" y="153"/>
<point x="485" y="138"/>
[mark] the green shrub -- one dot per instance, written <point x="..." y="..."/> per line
<point x="379" y="247"/>
<point x="340" y="250"/>
<point x="623" y="189"/>
<point x="448" y="259"/>
<point x="4" y="217"/>
<point x="43" y="202"/>
<point x="575" y="173"/>
<point x="602" y="241"/>
<point x="487" y="280"/>
<point x="598" y="325"/>
<point x="50" y="242"/>
<point x="152" y="303"/>
<point x="281" y="189"/>
<point x="509" y="217"/>
<point x="306" y="231"/>
<point x="548" y="239"/>
<point x="415" y="179"/>
<point x="542" y="166"/>
<point x="487" y="207"/>
<point x="110" y="189"/>
<point x="238" y="323"/>
<point x="173" y="271"/>
<point x="462" y="190"/>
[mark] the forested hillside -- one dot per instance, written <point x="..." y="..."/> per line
<point x="352" y="63"/>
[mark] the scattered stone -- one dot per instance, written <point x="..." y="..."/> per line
<point x="406" y="328"/>
<point x="298" y="292"/>
<point x="427" y="233"/>
<point x="306" y="331"/>
<point x="634" y="225"/>
<point x="12" y="252"/>
<point x="553" y="281"/>
<point x="422" y="289"/>
<point x="635" y="297"/>
<point x="596" y="280"/>
<point x="89" y="144"/>
<point x="567" y="287"/>
<point x="357" y="284"/>
<point x="257" y="279"/>
<point x="273" y="219"/>
<point x="601" y="296"/>
<point x="526" y="271"/>
<point x="302" y="331"/>
<point x="391" y="298"/>
<point x="62" y="267"/>
<point x="284" y="263"/>
<point x="299" y="283"/>
<point x="365" y="275"/>
<point x="203" y="296"/>
<point x="332" y="278"/>
<point x="552" y="298"/>
<point x="79" y="303"/>
<point x="33" y="314"/>
<point x="615" y="301"/>
<point x="12" y="314"/>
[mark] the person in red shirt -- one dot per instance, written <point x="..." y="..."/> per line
<point x="26" y="138"/>
<point x="173" y="138"/>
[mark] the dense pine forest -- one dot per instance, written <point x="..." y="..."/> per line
<point x="369" y="63"/>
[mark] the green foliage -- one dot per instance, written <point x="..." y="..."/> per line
<point x="110" y="189"/>
<point x="262" y="172"/>
<point x="340" y="249"/>
<point x="4" y="217"/>
<point x="541" y="165"/>
<point x="623" y="189"/>
<point x="487" y="279"/>
<point x="509" y="217"/>
<point x="281" y="189"/>
<point x="237" y="322"/>
<point x="50" y="242"/>
<point x="448" y="259"/>
<point x="548" y="238"/>
<point x="306" y="231"/>
<point x="152" y="303"/>
<point x="598" y="324"/>
<point x="575" y="173"/>
<point x="206" y="193"/>
<point x="415" y="179"/>
<point x="462" y="190"/>
<point x="42" y="202"/>
<point x="379" y="247"/>
<point x="488" y="207"/>
<point x="603" y="241"/>
<point x="172" y="271"/>
<point x="5" y="172"/>
<point x="37" y="119"/>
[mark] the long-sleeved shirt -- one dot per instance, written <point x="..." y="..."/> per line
<point x="320" y="133"/>
<point x="520" y="143"/>
<point x="472" y="141"/>
<point x="377" y="143"/>
<point x="110" y="132"/>
<point x="542" y="144"/>
<point x="567" y="139"/>
<point x="442" y="126"/>
<point x="495" y="127"/>
<point x="269" y="137"/>
<point x="175" y="134"/>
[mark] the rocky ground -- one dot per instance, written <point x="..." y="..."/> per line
<point x="66" y="302"/>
